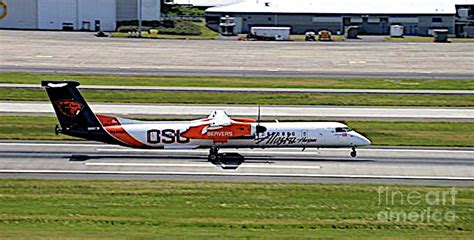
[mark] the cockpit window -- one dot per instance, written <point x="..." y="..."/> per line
<point x="343" y="129"/>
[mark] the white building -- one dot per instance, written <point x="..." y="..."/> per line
<point x="372" y="16"/>
<point x="73" y="14"/>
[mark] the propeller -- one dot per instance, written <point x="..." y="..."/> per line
<point x="258" y="116"/>
<point x="259" y="128"/>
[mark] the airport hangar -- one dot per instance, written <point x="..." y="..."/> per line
<point x="375" y="17"/>
<point x="74" y="14"/>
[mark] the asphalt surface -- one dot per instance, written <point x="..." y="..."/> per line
<point x="267" y="112"/>
<point x="255" y="90"/>
<point x="242" y="72"/>
<point x="74" y="52"/>
<point x="373" y="165"/>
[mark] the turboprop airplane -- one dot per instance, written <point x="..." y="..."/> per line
<point x="214" y="132"/>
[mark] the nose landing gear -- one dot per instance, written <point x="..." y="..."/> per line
<point x="354" y="152"/>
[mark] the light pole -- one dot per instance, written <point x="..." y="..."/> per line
<point x="139" y="18"/>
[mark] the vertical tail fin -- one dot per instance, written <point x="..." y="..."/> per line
<point x="74" y="115"/>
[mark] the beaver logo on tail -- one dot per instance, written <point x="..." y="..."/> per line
<point x="3" y="10"/>
<point x="69" y="108"/>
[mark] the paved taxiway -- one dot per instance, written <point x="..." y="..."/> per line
<point x="373" y="165"/>
<point x="268" y="112"/>
<point x="242" y="72"/>
<point x="43" y="51"/>
<point x="255" y="90"/>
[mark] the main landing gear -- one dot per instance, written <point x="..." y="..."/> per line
<point x="213" y="155"/>
<point x="225" y="160"/>
<point x="354" y="152"/>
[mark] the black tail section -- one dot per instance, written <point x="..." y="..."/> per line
<point x="74" y="115"/>
<point x="70" y="107"/>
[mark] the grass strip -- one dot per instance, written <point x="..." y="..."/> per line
<point x="109" y="96"/>
<point x="254" y="82"/>
<point x="434" y="134"/>
<point x="32" y="209"/>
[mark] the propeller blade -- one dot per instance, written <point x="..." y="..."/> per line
<point x="259" y="129"/>
<point x="258" y="118"/>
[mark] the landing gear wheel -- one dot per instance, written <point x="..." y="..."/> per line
<point x="213" y="155"/>
<point x="354" y="152"/>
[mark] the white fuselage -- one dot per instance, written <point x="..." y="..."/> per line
<point x="290" y="134"/>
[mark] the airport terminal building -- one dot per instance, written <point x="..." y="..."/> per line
<point x="74" y="14"/>
<point x="418" y="17"/>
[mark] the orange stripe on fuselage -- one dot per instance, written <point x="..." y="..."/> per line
<point x="113" y="127"/>
<point x="122" y="135"/>
<point x="107" y="120"/>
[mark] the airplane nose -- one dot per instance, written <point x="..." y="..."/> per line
<point x="361" y="140"/>
<point x="365" y="140"/>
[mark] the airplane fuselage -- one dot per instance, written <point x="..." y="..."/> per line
<point x="168" y="135"/>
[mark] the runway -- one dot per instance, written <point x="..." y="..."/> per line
<point x="255" y="90"/>
<point x="268" y="112"/>
<point x="373" y="165"/>
<point x="65" y="52"/>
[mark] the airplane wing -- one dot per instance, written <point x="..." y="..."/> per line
<point x="219" y="119"/>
